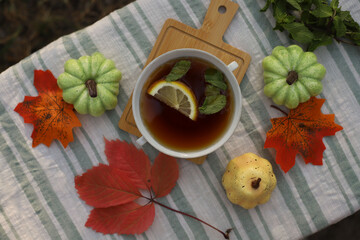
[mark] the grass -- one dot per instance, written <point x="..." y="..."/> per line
<point x="28" y="25"/>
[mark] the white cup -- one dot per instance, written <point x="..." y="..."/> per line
<point x="181" y="53"/>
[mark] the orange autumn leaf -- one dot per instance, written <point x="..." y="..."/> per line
<point x="51" y="116"/>
<point x="301" y="131"/>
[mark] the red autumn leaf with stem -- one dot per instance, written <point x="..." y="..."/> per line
<point x="113" y="189"/>
<point x="301" y="131"/>
<point x="51" y="116"/>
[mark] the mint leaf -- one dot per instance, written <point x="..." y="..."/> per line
<point x="295" y="4"/>
<point x="334" y="4"/>
<point x="211" y="90"/>
<point x="315" y="17"/>
<point x="215" y="78"/>
<point x="307" y="18"/>
<point x="178" y="71"/>
<point x="213" y="104"/>
<point x="317" y="3"/>
<point x="345" y="15"/>
<point x="352" y="25"/>
<point x="356" y="38"/>
<point x="299" y="32"/>
<point x="214" y="100"/>
<point x="267" y="5"/>
<point x="322" y="40"/>
<point x="280" y="13"/>
<point x="322" y="11"/>
<point x="340" y="27"/>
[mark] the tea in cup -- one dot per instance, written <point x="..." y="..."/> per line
<point x="200" y="128"/>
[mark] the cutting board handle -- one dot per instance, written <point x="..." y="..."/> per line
<point x="217" y="19"/>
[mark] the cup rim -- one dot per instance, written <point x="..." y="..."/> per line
<point x="179" y="53"/>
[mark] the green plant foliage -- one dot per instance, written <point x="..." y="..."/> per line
<point x="314" y="23"/>
<point x="178" y="71"/>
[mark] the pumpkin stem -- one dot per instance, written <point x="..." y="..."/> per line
<point x="292" y="77"/>
<point x="256" y="183"/>
<point x="91" y="85"/>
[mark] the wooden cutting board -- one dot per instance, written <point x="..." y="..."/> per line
<point x="209" y="37"/>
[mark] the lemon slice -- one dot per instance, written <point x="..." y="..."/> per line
<point x="176" y="95"/>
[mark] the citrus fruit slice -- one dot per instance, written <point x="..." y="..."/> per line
<point x="176" y="95"/>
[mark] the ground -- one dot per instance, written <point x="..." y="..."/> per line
<point x="26" y="26"/>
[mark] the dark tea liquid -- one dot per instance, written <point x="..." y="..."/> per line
<point x="175" y="130"/>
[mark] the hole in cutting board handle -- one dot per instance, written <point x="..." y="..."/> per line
<point x="222" y="9"/>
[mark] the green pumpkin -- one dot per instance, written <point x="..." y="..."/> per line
<point x="90" y="83"/>
<point x="292" y="76"/>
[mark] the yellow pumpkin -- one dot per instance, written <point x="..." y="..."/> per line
<point x="249" y="180"/>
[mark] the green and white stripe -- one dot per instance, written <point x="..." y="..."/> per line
<point x="38" y="199"/>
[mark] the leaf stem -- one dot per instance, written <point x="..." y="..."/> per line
<point x="149" y="189"/>
<point x="343" y="41"/>
<point x="225" y="234"/>
<point x="279" y="109"/>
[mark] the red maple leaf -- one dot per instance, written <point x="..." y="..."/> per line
<point x="51" y="116"/>
<point x="301" y="131"/>
<point x="112" y="188"/>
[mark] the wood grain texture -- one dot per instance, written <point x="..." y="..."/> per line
<point x="209" y="37"/>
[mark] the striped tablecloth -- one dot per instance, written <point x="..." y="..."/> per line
<point x="37" y="195"/>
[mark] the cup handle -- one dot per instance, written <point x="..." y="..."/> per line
<point x="141" y="141"/>
<point x="232" y="66"/>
